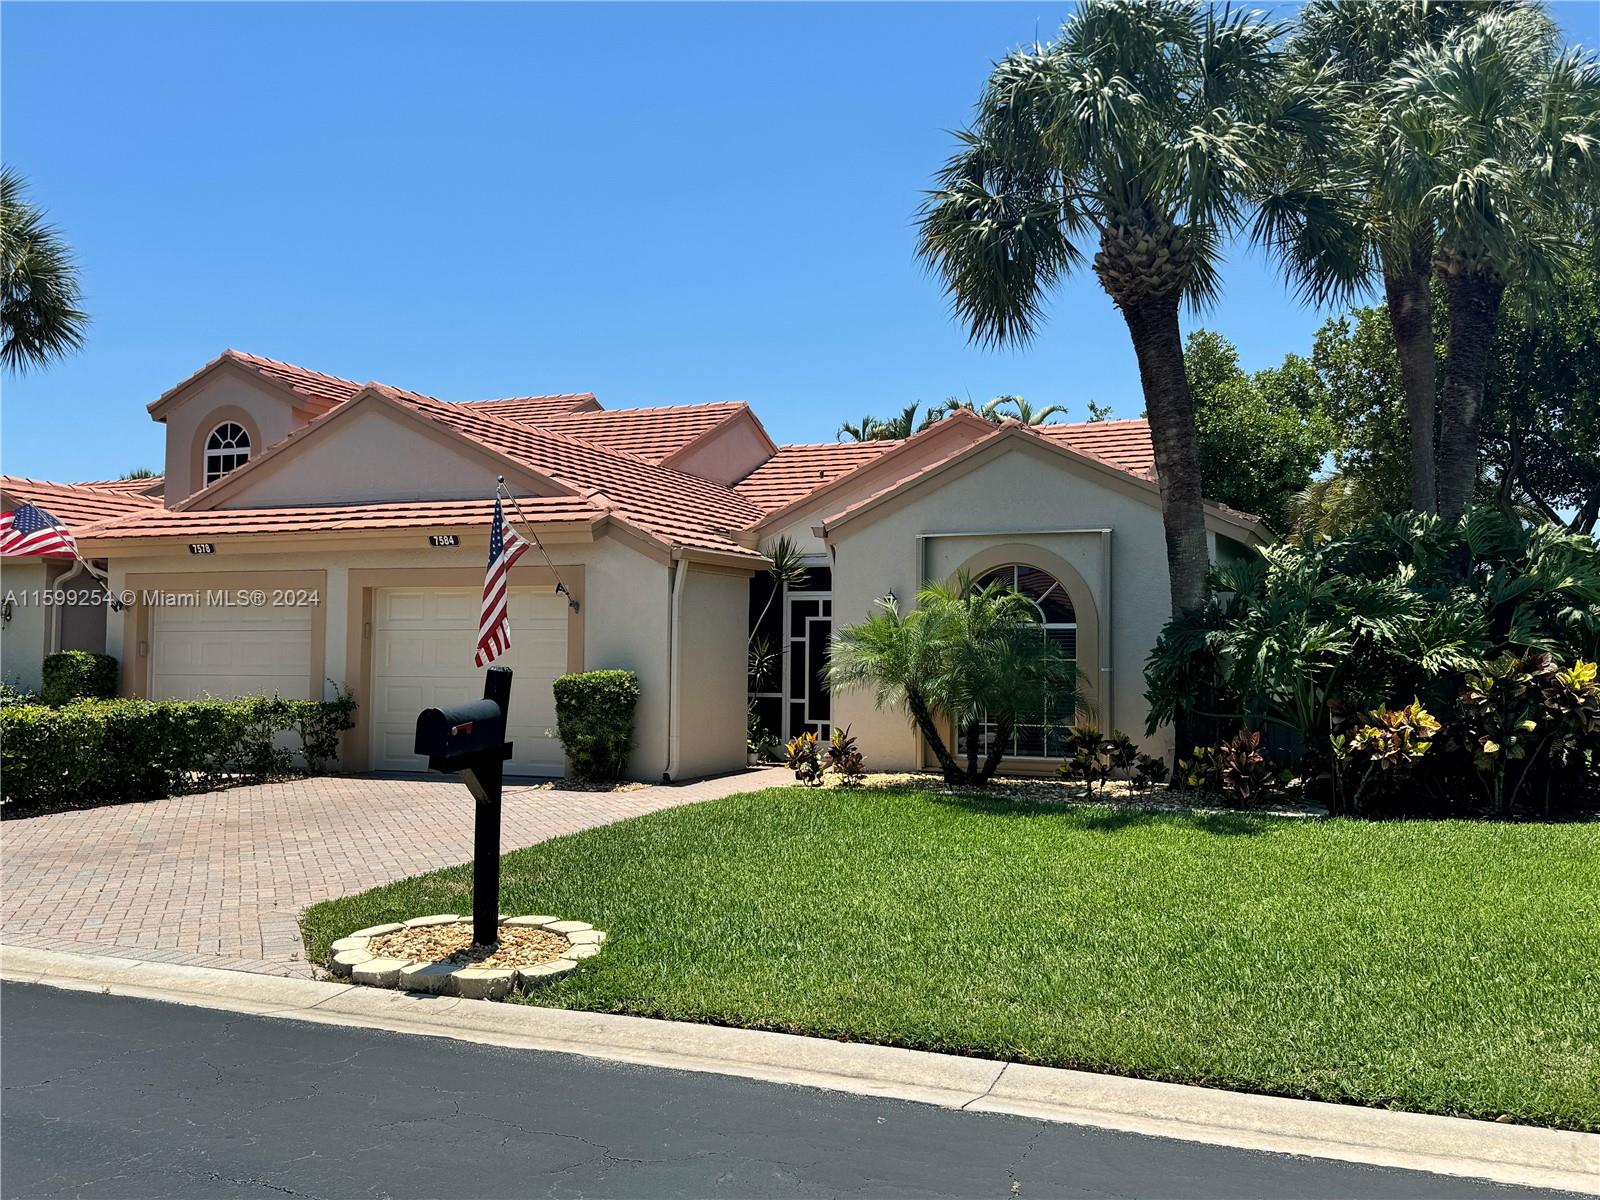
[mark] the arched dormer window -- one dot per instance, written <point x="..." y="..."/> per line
<point x="227" y="447"/>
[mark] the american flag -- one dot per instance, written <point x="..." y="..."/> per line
<point x="30" y="530"/>
<point x="494" y="622"/>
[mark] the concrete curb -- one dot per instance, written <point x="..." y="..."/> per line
<point x="1512" y="1154"/>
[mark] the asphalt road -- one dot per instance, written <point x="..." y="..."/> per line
<point x="113" y="1097"/>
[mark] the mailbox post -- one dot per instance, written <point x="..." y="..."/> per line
<point x="470" y="740"/>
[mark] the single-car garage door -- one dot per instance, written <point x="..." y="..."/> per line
<point x="227" y="651"/>
<point x="423" y="641"/>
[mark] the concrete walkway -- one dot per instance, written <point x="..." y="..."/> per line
<point x="219" y="879"/>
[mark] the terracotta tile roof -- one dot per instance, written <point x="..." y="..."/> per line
<point x="313" y="385"/>
<point x="653" y="434"/>
<point x="668" y="504"/>
<point x="74" y="505"/>
<point x="132" y="486"/>
<point x="534" y="410"/>
<point x="445" y="514"/>
<point x="1013" y="428"/>
<point x="1126" y="445"/>
<point x="796" y="471"/>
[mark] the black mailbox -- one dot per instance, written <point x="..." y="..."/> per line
<point x="470" y="740"/>
<point x="457" y="737"/>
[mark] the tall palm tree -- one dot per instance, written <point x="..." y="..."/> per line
<point x="1500" y="146"/>
<point x="40" y="297"/>
<point x="1149" y="127"/>
<point x="1356" y="48"/>
<point x="1022" y="410"/>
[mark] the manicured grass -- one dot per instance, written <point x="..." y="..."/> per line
<point x="1438" y="966"/>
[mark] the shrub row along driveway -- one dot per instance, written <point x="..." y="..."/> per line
<point x="218" y="879"/>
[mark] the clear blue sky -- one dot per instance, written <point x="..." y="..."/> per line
<point x="660" y="204"/>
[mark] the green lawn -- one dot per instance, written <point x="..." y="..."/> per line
<point x="1440" y="966"/>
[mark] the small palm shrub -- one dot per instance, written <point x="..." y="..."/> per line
<point x="1402" y="607"/>
<point x="971" y="656"/>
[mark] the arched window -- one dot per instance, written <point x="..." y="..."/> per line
<point x="227" y="447"/>
<point x="1038" y="735"/>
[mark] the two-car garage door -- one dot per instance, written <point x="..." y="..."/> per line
<point x="423" y="641"/>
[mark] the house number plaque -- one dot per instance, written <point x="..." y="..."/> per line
<point x="444" y="539"/>
<point x="202" y="547"/>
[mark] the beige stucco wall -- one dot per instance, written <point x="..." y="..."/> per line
<point x="24" y="638"/>
<point x="372" y="453"/>
<point x="625" y="617"/>
<point x="227" y="394"/>
<point x="1022" y="496"/>
<point x="727" y="455"/>
<point x="714" y="610"/>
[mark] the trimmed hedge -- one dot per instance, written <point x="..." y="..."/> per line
<point x="78" y="675"/>
<point x="594" y="720"/>
<point x="110" y="751"/>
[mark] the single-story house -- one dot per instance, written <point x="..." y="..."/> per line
<point x="311" y="531"/>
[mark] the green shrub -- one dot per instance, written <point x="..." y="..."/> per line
<point x="78" y="675"/>
<point x="1448" y="617"/>
<point x="594" y="720"/>
<point x="109" y="751"/>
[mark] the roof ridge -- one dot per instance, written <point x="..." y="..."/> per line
<point x="659" y="408"/>
<point x="540" y="396"/>
<point x="248" y="356"/>
<point x="623" y="457"/>
<point x="884" y="442"/>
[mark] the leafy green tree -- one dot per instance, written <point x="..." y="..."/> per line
<point x="1262" y="436"/>
<point x="1500" y="147"/>
<point x="1541" y="421"/>
<point x="1149" y="128"/>
<point x="41" y="314"/>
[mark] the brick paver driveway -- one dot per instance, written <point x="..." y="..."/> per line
<point x="219" y="879"/>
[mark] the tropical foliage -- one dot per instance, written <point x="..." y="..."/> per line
<point x="41" y="314"/>
<point x="1308" y="634"/>
<point x="970" y="658"/>
<point x="1148" y="131"/>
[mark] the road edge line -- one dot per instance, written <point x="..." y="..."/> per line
<point x="1512" y="1154"/>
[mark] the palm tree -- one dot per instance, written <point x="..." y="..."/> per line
<point x="858" y="431"/>
<point x="1023" y="411"/>
<point x="40" y="317"/>
<point x="970" y="655"/>
<point x="1500" y="147"/>
<point x="1150" y="127"/>
<point x="898" y="427"/>
<point x="1356" y="48"/>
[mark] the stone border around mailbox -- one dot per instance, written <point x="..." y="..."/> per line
<point x="352" y="959"/>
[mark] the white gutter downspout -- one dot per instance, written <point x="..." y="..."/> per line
<point x="680" y="574"/>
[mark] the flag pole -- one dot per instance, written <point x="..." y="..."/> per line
<point x="501" y="490"/>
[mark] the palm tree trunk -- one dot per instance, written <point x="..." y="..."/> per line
<point x="1405" y="286"/>
<point x="1002" y="739"/>
<point x="973" y="728"/>
<point x="1153" y="324"/>
<point x="953" y="773"/>
<point x="1474" y="299"/>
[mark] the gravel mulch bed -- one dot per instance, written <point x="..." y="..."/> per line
<point x="579" y="785"/>
<point x="452" y="944"/>
<point x="1116" y="794"/>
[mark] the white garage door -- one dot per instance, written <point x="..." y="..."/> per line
<point x="227" y="652"/>
<point x="423" y="640"/>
